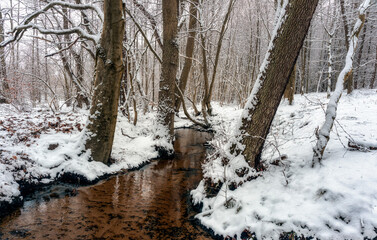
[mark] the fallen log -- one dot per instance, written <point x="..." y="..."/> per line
<point x="362" y="146"/>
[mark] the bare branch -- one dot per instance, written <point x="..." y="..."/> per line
<point x="186" y="112"/>
<point x="40" y="79"/>
<point x="61" y="50"/>
<point x="151" y="19"/>
<point x="143" y="34"/>
<point x="20" y="30"/>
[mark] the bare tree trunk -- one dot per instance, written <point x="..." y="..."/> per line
<point x="11" y="26"/>
<point x="290" y="89"/>
<point x="349" y="81"/>
<point x="194" y="96"/>
<point x="217" y="57"/>
<point x="345" y="25"/>
<point x="131" y="68"/>
<point x="67" y="89"/>
<point x="18" y="45"/>
<point x="373" y="79"/>
<point x="153" y="78"/>
<point x="323" y="134"/>
<point x="77" y="80"/>
<point x="308" y="60"/>
<point x="47" y="75"/>
<point x="169" y="66"/>
<point x="68" y="75"/>
<point x="4" y="96"/>
<point x="205" y="73"/>
<point x="123" y="84"/>
<point x="146" y="74"/>
<point x="368" y="53"/>
<point x="81" y="97"/>
<point x="109" y="68"/>
<point x="359" y="56"/>
<point x="64" y="58"/>
<point x="33" y="79"/>
<point x="189" y="53"/>
<point x="330" y="58"/>
<point x="303" y="71"/>
<point x="256" y="56"/>
<point x="330" y="64"/>
<point x="37" y="69"/>
<point x="279" y="62"/>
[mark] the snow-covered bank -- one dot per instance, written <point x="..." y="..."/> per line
<point x="40" y="147"/>
<point x="337" y="200"/>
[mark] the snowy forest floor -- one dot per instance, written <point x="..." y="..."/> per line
<point x="336" y="200"/>
<point x="40" y="147"/>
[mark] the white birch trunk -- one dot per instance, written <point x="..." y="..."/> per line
<point x="329" y="76"/>
<point x="323" y="134"/>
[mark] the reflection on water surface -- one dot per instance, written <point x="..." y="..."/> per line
<point x="147" y="204"/>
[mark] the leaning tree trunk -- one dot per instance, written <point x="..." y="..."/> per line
<point x="323" y="135"/>
<point x="169" y="69"/>
<point x="279" y="62"/>
<point x="109" y="67"/>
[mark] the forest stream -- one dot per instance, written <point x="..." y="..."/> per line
<point x="150" y="203"/>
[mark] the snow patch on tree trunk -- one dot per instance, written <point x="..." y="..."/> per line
<point x="323" y="134"/>
<point x="252" y="101"/>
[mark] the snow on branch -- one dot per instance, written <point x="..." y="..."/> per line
<point x="323" y="134"/>
<point x="20" y="30"/>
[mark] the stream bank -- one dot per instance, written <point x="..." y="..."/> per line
<point x="151" y="203"/>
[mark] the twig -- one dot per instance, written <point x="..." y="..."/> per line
<point x="126" y="134"/>
<point x="63" y="49"/>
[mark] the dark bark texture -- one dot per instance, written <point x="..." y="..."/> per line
<point x="109" y="68"/>
<point x="170" y="60"/>
<point x="281" y="61"/>
<point x="3" y="71"/>
<point x="189" y="53"/>
<point x="290" y="89"/>
<point x="373" y="79"/>
<point x="348" y="83"/>
<point x="217" y="57"/>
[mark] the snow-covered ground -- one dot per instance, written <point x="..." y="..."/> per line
<point x="337" y="200"/>
<point x="38" y="147"/>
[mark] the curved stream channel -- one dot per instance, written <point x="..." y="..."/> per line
<point x="151" y="203"/>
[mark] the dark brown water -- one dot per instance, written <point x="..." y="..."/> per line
<point x="151" y="203"/>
